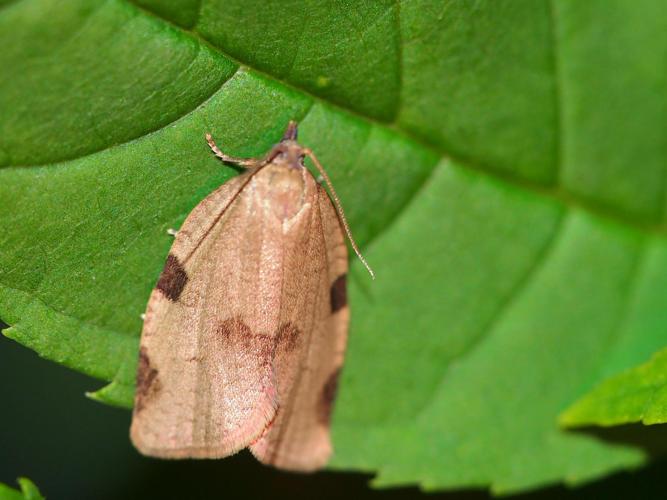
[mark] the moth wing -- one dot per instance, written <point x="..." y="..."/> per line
<point x="299" y="438"/>
<point x="205" y="384"/>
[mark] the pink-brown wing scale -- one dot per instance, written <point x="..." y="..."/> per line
<point x="310" y="350"/>
<point x="205" y="384"/>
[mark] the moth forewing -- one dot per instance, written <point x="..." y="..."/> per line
<point x="196" y="397"/>
<point x="245" y="331"/>
<point x="299" y="438"/>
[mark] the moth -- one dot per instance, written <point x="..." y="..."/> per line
<point x="245" y="332"/>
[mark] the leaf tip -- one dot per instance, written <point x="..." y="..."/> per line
<point x="113" y="394"/>
<point x="29" y="489"/>
<point x="9" y="332"/>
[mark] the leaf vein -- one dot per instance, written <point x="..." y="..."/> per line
<point x="135" y="139"/>
<point x="558" y="95"/>
<point x="505" y="303"/>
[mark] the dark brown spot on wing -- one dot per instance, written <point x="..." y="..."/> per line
<point x="287" y="337"/>
<point x="339" y="293"/>
<point x="234" y="332"/>
<point x="327" y="398"/>
<point x="148" y="382"/>
<point x="173" y="279"/>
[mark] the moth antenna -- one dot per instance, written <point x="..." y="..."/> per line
<point x="242" y="162"/>
<point x="339" y="209"/>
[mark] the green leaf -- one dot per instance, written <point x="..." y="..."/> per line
<point x="7" y="493"/>
<point x="636" y="395"/>
<point x="28" y="491"/>
<point x="502" y="164"/>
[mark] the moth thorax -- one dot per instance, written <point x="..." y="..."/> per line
<point x="285" y="190"/>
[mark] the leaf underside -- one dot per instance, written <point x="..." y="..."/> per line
<point x="502" y="163"/>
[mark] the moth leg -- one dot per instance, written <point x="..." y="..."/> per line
<point x="320" y="179"/>
<point x="241" y="162"/>
<point x="172" y="232"/>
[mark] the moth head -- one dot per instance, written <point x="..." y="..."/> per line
<point x="288" y="151"/>
<point x="291" y="132"/>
